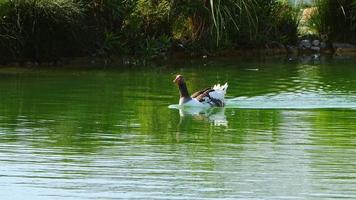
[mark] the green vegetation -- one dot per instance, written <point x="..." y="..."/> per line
<point x="46" y="30"/>
<point x="334" y="19"/>
<point x="40" y="29"/>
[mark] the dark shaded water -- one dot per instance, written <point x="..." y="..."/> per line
<point x="288" y="132"/>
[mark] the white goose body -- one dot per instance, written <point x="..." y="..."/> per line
<point x="209" y="97"/>
<point x="192" y="102"/>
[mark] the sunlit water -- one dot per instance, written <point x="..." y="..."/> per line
<point x="288" y="132"/>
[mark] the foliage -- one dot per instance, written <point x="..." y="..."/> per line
<point x="336" y="19"/>
<point x="239" y="22"/>
<point x="148" y="22"/>
<point x="39" y="29"/>
<point x="276" y="21"/>
<point x="227" y="16"/>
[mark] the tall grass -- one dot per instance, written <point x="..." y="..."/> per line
<point x="39" y="29"/>
<point x="43" y="30"/>
<point x="276" y="21"/>
<point x="336" y="19"/>
<point x="255" y="22"/>
<point x="227" y="16"/>
<point x="240" y="22"/>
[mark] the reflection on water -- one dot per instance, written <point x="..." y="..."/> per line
<point x="288" y="132"/>
<point x="214" y="115"/>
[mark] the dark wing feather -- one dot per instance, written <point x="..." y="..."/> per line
<point x="204" y="96"/>
<point x="200" y="92"/>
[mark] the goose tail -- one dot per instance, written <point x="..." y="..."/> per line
<point x="219" y="87"/>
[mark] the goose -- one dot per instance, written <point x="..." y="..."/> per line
<point x="208" y="97"/>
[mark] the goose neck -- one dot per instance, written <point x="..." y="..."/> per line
<point x="183" y="90"/>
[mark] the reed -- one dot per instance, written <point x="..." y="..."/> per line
<point x="336" y="19"/>
<point x="221" y="23"/>
<point x="229" y="16"/>
<point x="39" y="29"/>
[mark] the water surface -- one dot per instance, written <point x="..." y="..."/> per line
<point x="288" y="132"/>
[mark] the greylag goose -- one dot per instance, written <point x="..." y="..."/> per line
<point x="208" y="97"/>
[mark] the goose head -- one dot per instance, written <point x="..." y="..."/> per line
<point x="178" y="80"/>
<point x="183" y="91"/>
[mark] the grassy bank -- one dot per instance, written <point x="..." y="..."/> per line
<point x="48" y="30"/>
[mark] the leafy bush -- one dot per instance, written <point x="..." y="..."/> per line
<point x="336" y="19"/>
<point x="39" y="29"/>
<point x="148" y="21"/>
<point x="239" y="22"/>
<point x="276" y="21"/>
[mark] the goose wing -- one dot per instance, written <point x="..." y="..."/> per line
<point x="212" y="96"/>
<point x="209" y="97"/>
<point x="200" y="92"/>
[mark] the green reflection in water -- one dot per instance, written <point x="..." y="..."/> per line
<point x="288" y="131"/>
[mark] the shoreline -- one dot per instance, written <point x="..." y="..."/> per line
<point x="176" y="56"/>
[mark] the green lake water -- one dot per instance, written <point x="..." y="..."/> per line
<point x="288" y="132"/>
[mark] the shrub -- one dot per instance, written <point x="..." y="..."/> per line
<point x="336" y="19"/>
<point x="275" y="21"/>
<point x="40" y="29"/>
<point x="221" y="23"/>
